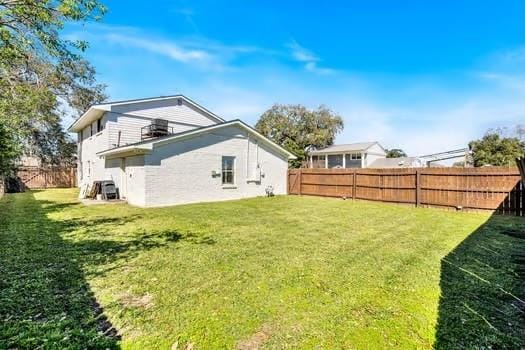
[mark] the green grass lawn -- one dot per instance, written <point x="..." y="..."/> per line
<point x="282" y="272"/>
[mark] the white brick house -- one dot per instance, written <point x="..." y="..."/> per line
<point x="169" y="150"/>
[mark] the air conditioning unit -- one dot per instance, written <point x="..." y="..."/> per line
<point x="157" y="128"/>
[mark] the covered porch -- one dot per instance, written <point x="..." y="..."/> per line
<point x="336" y="160"/>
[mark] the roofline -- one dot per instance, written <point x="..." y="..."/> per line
<point x="137" y="100"/>
<point x="81" y="117"/>
<point x="337" y="152"/>
<point x="140" y="100"/>
<point x="148" y="145"/>
<point x="325" y="151"/>
<point x="377" y="143"/>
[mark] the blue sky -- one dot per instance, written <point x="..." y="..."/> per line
<point x="425" y="76"/>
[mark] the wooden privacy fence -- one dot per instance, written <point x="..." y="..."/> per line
<point x="490" y="188"/>
<point x="36" y="177"/>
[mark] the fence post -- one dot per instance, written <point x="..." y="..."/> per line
<point x="300" y="181"/>
<point x="287" y="181"/>
<point x="354" y="187"/>
<point x="517" y="199"/>
<point x="353" y="184"/>
<point x="418" y="187"/>
<point x="523" y="197"/>
<point x="381" y="184"/>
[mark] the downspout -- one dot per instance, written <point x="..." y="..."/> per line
<point x="248" y="157"/>
<point x="257" y="154"/>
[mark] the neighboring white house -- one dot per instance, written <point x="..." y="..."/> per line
<point x="169" y="150"/>
<point x="353" y="155"/>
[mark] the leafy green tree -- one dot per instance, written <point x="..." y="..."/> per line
<point x="42" y="74"/>
<point x="54" y="146"/>
<point x="8" y="151"/>
<point x="494" y="149"/>
<point x="33" y="26"/>
<point x="395" y="153"/>
<point x="297" y="128"/>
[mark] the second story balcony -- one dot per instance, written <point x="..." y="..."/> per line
<point x="157" y="128"/>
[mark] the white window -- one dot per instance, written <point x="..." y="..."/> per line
<point x="228" y="170"/>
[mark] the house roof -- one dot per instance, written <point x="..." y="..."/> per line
<point x="146" y="146"/>
<point x="96" y="111"/>
<point x="400" y="162"/>
<point x="350" y="147"/>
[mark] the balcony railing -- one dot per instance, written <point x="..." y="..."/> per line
<point x="157" y="128"/>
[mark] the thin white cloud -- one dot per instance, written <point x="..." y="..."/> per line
<point x="195" y="51"/>
<point x="166" y="48"/>
<point x="308" y="58"/>
<point x="504" y="80"/>
<point x="301" y="54"/>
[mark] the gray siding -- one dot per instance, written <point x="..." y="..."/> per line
<point x="129" y="119"/>
<point x="90" y="167"/>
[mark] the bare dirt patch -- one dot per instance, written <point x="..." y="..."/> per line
<point x="256" y="340"/>
<point x="142" y="302"/>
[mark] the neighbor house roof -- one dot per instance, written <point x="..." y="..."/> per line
<point x="146" y="146"/>
<point x="400" y="162"/>
<point x="96" y="111"/>
<point x="350" y="147"/>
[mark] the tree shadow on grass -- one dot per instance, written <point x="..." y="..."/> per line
<point x="45" y="300"/>
<point x="482" y="304"/>
<point x="96" y="250"/>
